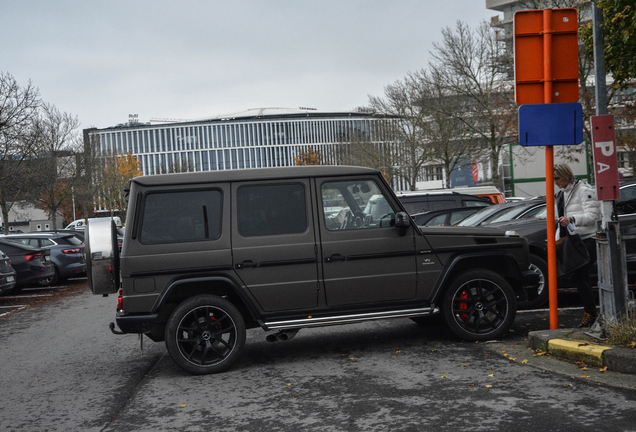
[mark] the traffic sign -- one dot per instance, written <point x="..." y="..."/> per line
<point x="605" y="158"/>
<point x="546" y="51"/>
<point x="550" y="124"/>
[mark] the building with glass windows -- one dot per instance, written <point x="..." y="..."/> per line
<point x="256" y="138"/>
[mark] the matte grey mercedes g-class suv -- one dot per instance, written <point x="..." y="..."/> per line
<point x="206" y="255"/>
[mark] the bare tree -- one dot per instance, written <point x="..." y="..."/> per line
<point x="18" y="109"/>
<point x="401" y="104"/>
<point x="474" y="67"/>
<point x="59" y="142"/>
<point x="450" y="141"/>
<point x="87" y="185"/>
<point x="362" y="150"/>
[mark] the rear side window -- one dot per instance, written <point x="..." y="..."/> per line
<point x="171" y="217"/>
<point x="476" y="203"/>
<point x="70" y="240"/>
<point x="416" y="207"/>
<point x="271" y="210"/>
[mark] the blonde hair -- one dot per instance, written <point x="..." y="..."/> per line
<point x="564" y="171"/>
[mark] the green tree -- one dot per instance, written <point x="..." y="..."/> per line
<point x="619" y="29"/>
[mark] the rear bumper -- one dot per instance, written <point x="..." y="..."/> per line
<point x="73" y="269"/>
<point x="136" y="323"/>
<point x="5" y="286"/>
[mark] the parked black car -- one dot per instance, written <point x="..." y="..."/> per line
<point x="503" y="212"/>
<point x="208" y="254"/>
<point x="67" y="253"/>
<point x="7" y="274"/>
<point x="31" y="264"/>
<point x="535" y="231"/>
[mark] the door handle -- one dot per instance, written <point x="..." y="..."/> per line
<point x="246" y="264"/>
<point x="335" y="257"/>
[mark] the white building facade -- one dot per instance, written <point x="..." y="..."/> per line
<point x="258" y="138"/>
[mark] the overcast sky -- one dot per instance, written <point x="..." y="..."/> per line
<point x="103" y="60"/>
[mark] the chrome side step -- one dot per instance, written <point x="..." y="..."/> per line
<point x="347" y="319"/>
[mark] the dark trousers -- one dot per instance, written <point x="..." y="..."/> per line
<point x="581" y="278"/>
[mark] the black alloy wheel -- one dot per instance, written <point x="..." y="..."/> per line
<point x="205" y="334"/>
<point x="479" y="305"/>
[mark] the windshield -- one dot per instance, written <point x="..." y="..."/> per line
<point x="509" y="214"/>
<point x="481" y="215"/>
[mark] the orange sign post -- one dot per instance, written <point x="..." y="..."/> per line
<point x="546" y="71"/>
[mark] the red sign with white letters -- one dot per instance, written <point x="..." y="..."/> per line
<point x="605" y="158"/>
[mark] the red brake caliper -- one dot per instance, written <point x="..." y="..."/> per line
<point x="463" y="305"/>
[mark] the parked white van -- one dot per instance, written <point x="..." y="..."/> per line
<point x="80" y="224"/>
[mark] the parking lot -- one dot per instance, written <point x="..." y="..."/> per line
<point x="33" y="295"/>
<point x="62" y="369"/>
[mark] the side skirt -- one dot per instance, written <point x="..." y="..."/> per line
<point x="346" y="319"/>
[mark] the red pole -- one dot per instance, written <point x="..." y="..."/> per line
<point x="549" y="172"/>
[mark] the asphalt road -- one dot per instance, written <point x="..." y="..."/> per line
<point x="61" y="369"/>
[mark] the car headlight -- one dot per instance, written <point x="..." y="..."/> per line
<point x="512" y="234"/>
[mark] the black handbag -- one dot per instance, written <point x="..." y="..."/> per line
<point x="571" y="254"/>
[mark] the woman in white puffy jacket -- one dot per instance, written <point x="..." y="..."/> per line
<point x="578" y="207"/>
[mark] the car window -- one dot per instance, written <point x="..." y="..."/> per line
<point x="47" y="242"/>
<point x="170" y="217"/>
<point x="459" y="215"/>
<point x="482" y="214"/>
<point x="438" y="220"/>
<point x="22" y="241"/>
<point x="509" y="214"/>
<point x="535" y="212"/>
<point x="476" y="203"/>
<point x="626" y="204"/>
<point x="416" y="207"/>
<point x="439" y="204"/>
<point x="354" y="205"/>
<point x="70" y="240"/>
<point x="272" y="210"/>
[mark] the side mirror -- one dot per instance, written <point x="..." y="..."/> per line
<point x="402" y="222"/>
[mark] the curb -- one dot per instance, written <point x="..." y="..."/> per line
<point x="571" y="344"/>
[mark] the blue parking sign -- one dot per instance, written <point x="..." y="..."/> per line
<point x="550" y="124"/>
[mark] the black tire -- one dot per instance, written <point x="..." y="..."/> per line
<point x="205" y="334"/>
<point x="479" y="305"/>
<point x="50" y="281"/>
<point x="540" y="297"/>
